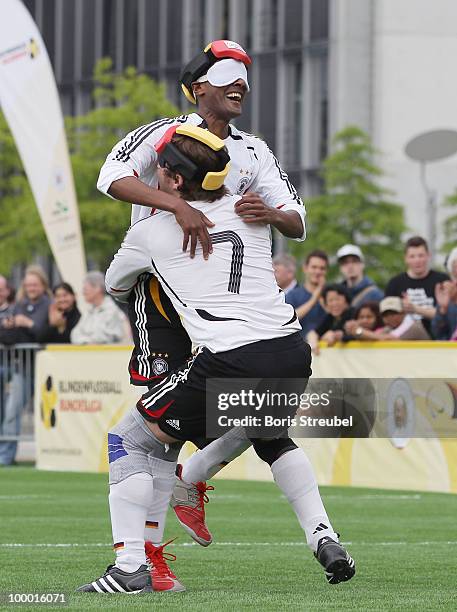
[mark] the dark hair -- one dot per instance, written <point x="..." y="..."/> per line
<point x="317" y="253"/>
<point x="201" y="155"/>
<point x="416" y="241"/>
<point x="338" y="289"/>
<point x="374" y="308"/>
<point x="11" y="292"/>
<point x="66" y="287"/>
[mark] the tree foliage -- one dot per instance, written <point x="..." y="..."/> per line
<point x="450" y="224"/>
<point x="355" y="208"/>
<point x="21" y="231"/>
<point x="122" y="102"/>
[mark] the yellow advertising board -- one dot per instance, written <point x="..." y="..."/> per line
<point x="82" y="391"/>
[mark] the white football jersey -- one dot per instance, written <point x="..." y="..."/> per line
<point x="227" y="301"/>
<point x="253" y="167"/>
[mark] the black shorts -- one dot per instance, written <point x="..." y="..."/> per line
<point x="161" y="342"/>
<point x="178" y="402"/>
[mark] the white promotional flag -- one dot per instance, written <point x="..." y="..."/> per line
<point x="31" y="105"/>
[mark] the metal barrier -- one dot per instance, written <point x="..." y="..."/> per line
<point x="17" y="365"/>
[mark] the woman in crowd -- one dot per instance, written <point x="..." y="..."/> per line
<point x="30" y="313"/>
<point x="336" y="302"/>
<point x="63" y="315"/>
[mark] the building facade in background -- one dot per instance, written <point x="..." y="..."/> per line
<point x="388" y="74"/>
<point x="287" y="39"/>
<point x="318" y="65"/>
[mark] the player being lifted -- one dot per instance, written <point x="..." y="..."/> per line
<point x="242" y="327"/>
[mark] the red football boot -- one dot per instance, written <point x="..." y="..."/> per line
<point x="162" y="577"/>
<point x="188" y="501"/>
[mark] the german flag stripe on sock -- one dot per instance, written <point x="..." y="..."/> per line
<point x="152" y="524"/>
<point x="118" y="545"/>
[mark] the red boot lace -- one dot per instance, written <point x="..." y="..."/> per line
<point x="159" y="559"/>
<point x="202" y="487"/>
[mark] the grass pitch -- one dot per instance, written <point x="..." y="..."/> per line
<point x="55" y="535"/>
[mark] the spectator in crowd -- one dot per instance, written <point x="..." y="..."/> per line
<point x="63" y="315"/>
<point x="104" y="322"/>
<point x="30" y="312"/>
<point x="361" y="289"/>
<point x="366" y="317"/>
<point x="399" y="325"/>
<point x="331" y="329"/>
<point x="306" y="298"/>
<point x="6" y="307"/>
<point x="417" y="285"/>
<point x="6" y="312"/>
<point x="28" y="318"/>
<point x="444" y="324"/>
<point x="285" y="267"/>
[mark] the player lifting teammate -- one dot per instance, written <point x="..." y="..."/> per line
<point x="217" y="81"/>
<point x="243" y="328"/>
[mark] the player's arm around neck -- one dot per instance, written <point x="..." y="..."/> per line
<point x="131" y="189"/>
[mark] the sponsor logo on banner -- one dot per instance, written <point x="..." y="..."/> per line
<point x="67" y="241"/>
<point x="48" y="404"/>
<point x="29" y="49"/>
<point x="60" y="208"/>
<point x="76" y="394"/>
<point x="59" y="178"/>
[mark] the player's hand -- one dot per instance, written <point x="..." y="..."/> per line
<point x="195" y="225"/>
<point x="252" y="209"/>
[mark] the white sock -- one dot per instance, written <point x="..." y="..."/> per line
<point x="203" y="464"/>
<point x="163" y="485"/>
<point x="294" y="475"/>
<point x="129" y="501"/>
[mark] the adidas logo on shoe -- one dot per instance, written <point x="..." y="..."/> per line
<point x="115" y="580"/>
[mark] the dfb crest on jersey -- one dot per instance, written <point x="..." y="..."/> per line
<point x="159" y="366"/>
<point x="241" y="187"/>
